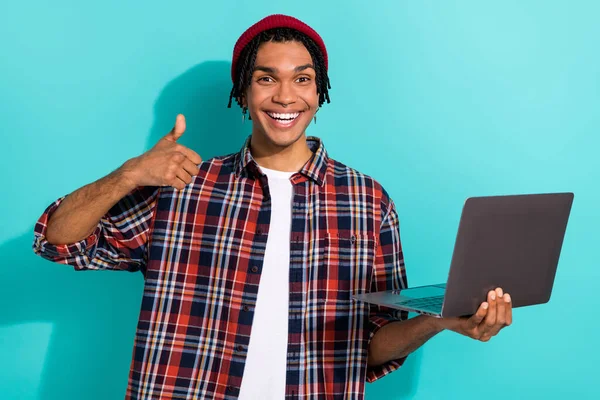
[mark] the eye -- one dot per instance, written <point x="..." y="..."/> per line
<point x="266" y="79"/>
<point x="303" y="79"/>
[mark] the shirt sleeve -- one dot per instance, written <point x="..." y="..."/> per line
<point x="119" y="242"/>
<point x="388" y="274"/>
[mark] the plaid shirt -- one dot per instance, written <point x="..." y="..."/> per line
<point x="201" y="251"/>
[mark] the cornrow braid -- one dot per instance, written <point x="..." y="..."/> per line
<point x="245" y="65"/>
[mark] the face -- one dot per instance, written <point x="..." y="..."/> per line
<point x="282" y="98"/>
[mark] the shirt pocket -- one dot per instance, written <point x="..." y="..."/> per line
<point x="344" y="266"/>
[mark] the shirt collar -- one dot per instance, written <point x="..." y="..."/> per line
<point x="314" y="169"/>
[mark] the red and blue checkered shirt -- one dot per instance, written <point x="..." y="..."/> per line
<point x="201" y="251"/>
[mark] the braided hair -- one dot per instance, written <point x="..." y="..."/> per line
<point x="245" y="65"/>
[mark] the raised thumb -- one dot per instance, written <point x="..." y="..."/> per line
<point x="177" y="130"/>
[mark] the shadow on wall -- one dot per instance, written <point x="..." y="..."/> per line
<point x="201" y="94"/>
<point x="92" y="315"/>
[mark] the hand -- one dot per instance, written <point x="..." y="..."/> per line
<point x="166" y="164"/>
<point x="490" y="318"/>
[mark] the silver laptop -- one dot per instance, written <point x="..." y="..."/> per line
<point x="512" y="242"/>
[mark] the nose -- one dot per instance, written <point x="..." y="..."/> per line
<point x="285" y="94"/>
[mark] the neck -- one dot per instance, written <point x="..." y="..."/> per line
<point x="289" y="158"/>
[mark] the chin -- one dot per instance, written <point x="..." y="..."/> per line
<point x="281" y="138"/>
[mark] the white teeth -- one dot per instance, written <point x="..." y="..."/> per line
<point x="288" y="116"/>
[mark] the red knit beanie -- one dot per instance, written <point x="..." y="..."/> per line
<point x="270" y="22"/>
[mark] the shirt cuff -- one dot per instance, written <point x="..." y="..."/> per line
<point x="71" y="253"/>
<point x="373" y="373"/>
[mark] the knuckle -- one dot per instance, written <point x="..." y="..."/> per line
<point x="475" y="334"/>
<point x="172" y="169"/>
<point x="177" y="157"/>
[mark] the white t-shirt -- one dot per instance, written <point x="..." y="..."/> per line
<point x="265" y="370"/>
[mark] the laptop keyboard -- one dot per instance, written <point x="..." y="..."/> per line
<point x="426" y="302"/>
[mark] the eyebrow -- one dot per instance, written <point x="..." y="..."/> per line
<point x="272" y="70"/>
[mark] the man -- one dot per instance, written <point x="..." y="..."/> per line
<point x="250" y="259"/>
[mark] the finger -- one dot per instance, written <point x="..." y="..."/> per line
<point x="184" y="176"/>
<point x="500" y="312"/>
<point x="191" y="154"/>
<point x="178" y="184"/>
<point x="500" y="307"/>
<point x="508" y="301"/>
<point x="476" y="318"/>
<point x="490" y="319"/>
<point x="190" y="167"/>
<point x="485" y="338"/>
<point x="177" y="130"/>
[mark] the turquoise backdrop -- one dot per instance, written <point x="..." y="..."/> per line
<point x="438" y="100"/>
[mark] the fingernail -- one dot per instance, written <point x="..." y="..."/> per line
<point x="493" y="296"/>
<point x="507" y="298"/>
<point x="485" y="306"/>
<point x="499" y="291"/>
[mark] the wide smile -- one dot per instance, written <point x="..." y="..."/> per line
<point x="283" y="120"/>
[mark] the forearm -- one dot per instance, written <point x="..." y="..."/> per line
<point x="398" y="339"/>
<point x="79" y="213"/>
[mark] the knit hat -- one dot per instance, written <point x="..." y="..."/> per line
<point x="270" y="22"/>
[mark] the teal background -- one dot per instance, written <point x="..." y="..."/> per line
<point x="437" y="100"/>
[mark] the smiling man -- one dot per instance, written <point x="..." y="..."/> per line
<point x="250" y="259"/>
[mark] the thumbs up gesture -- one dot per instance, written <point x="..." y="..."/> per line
<point x="168" y="163"/>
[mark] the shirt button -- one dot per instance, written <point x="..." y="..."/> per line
<point x="240" y="348"/>
<point x="246" y="308"/>
<point x="230" y="388"/>
<point x="254" y="269"/>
